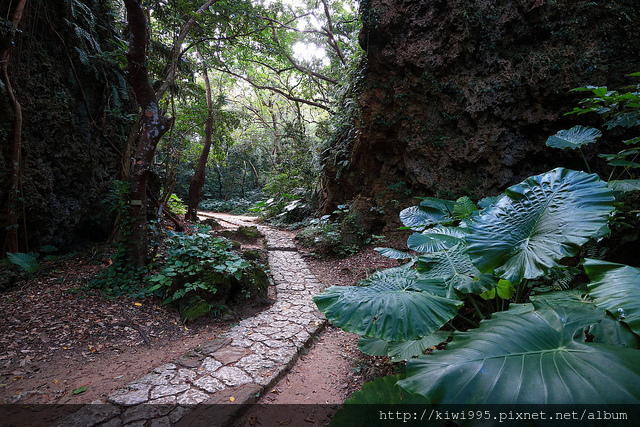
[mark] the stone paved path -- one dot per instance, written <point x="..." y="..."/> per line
<point x="230" y="371"/>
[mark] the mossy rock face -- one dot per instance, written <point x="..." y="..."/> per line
<point x="196" y="307"/>
<point x="250" y="233"/>
<point x="224" y="290"/>
<point x="211" y="222"/>
<point x="254" y="284"/>
<point x="251" y="255"/>
<point x="242" y="234"/>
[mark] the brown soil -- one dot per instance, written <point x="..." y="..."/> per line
<point x="55" y="338"/>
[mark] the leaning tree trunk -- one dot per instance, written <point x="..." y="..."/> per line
<point x="153" y="125"/>
<point x="197" y="182"/>
<point x="11" y="238"/>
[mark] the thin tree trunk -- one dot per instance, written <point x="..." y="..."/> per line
<point x="197" y="182"/>
<point x="171" y="70"/>
<point x="244" y="174"/>
<point x="11" y="238"/>
<point x="153" y="125"/>
<point x="219" y="182"/>
<point x="255" y="173"/>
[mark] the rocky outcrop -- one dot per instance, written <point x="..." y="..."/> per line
<point x="457" y="97"/>
<point x="75" y="125"/>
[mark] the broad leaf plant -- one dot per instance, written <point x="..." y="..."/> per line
<point x="566" y="342"/>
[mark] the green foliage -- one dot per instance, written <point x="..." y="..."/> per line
<point x="235" y="205"/>
<point x="543" y="219"/>
<point x="393" y="305"/>
<point x="176" y="205"/>
<point x="531" y="354"/>
<point x="614" y="287"/>
<point x="120" y="278"/>
<point x="27" y="262"/>
<point x="322" y="233"/>
<point x="430" y="212"/>
<point x="342" y="236"/>
<point x="574" y="138"/>
<point x="436" y="238"/>
<point x="618" y="109"/>
<point x="195" y="267"/>
<point x="548" y="350"/>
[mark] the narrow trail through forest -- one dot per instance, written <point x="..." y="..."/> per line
<point x="278" y="356"/>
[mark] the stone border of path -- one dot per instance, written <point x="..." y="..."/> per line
<point x="230" y="371"/>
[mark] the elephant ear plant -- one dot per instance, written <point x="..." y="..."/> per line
<point x="574" y="346"/>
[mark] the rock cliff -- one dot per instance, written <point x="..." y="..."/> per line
<point x="458" y="97"/>
<point x="75" y="122"/>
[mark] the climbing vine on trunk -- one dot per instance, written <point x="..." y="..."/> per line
<point x="154" y="124"/>
<point x="11" y="238"/>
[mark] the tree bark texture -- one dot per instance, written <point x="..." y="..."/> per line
<point x="153" y="125"/>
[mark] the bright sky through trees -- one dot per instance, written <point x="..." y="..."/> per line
<point x="306" y="52"/>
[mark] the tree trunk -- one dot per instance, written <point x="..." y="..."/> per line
<point x="153" y="125"/>
<point x="11" y="238"/>
<point x="219" y="174"/>
<point x="195" y="187"/>
<point x="255" y="173"/>
<point x="171" y="70"/>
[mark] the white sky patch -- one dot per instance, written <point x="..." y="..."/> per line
<point x="289" y="2"/>
<point x="309" y="52"/>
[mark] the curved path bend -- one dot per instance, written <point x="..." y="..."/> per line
<point x="210" y="384"/>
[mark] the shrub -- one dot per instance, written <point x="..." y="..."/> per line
<point x="236" y="206"/>
<point x="199" y="274"/>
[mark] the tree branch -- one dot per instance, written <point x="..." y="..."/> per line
<point x="275" y="90"/>
<point x="170" y="71"/>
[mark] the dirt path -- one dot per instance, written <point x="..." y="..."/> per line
<point x="55" y="339"/>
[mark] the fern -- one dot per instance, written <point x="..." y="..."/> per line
<point x="80" y="11"/>
<point x="84" y="58"/>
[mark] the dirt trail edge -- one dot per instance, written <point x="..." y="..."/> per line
<point x="220" y="377"/>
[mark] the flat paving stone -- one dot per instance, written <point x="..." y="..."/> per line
<point x="209" y="384"/>
<point x="227" y="355"/>
<point x="130" y="397"/>
<point x="232" y="376"/>
<point x="192" y="397"/>
<point x="209" y="365"/>
<point x="168" y="390"/>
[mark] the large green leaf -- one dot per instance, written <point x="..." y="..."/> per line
<point x="574" y="138"/>
<point x="431" y="211"/>
<point x="531" y="354"/>
<point x="543" y="219"/>
<point x="614" y="332"/>
<point x="26" y="261"/>
<point x="387" y="398"/>
<point x="392" y="253"/>
<point x="383" y="391"/>
<point x="624" y="185"/>
<point x="401" y="350"/>
<point x="373" y="346"/>
<point x="616" y="288"/>
<point x="393" y="305"/>
<point x="404" y="350"/>
<point x="463" y="208"/>
<point x="436" y="239"/>
<point x="455" y="269"/>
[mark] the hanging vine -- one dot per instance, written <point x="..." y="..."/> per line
<point x="13" y="203"/>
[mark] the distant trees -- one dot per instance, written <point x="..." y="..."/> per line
<point x="266" y="46"/>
